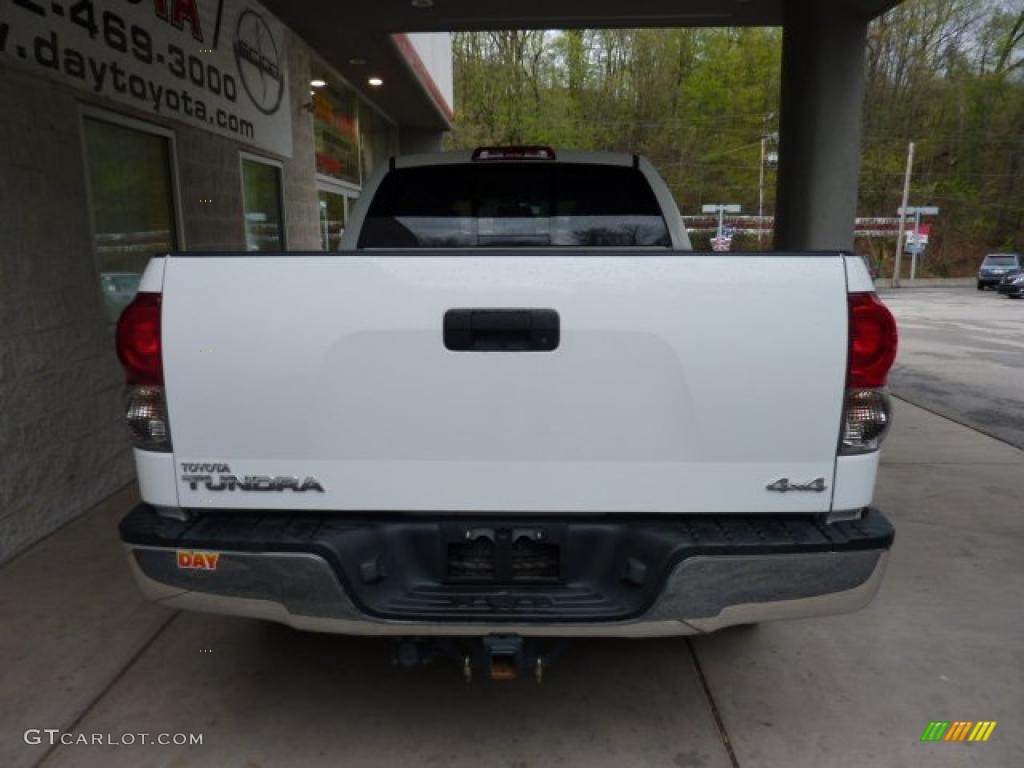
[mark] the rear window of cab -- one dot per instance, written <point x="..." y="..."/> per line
<point x="1001" y="261"/>
<point x="483" y="205"/>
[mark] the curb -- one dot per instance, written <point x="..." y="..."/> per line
<point x="925" y="282"/>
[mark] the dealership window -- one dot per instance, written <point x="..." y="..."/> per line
<point x="130" y="172"/>
<point x="378" y="139"/>
<point x="262" y="204"/>
<point x="335" y="129"/>
<point x="352" y="138"/>
<point x="336" y="203"/>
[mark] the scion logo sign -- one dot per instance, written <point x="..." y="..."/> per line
<point x="258" y="62"/>
<point x="215" y="64"/>
<point x="218" y="477"/>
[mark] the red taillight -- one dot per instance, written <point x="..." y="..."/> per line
<point x="873" y="340"/>
<point x="514" y="153"/>
<point x="138" y="340"/>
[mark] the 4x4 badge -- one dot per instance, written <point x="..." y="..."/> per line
<point x="784" y="484"/>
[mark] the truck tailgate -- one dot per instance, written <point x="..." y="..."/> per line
<point x="680" y="383"/>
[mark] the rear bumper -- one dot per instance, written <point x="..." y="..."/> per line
<point x="603" y="576"/>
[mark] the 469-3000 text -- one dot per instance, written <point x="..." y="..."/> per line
<point x="125" y="38"/>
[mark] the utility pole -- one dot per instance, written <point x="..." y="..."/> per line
<point x="903" y="218"/>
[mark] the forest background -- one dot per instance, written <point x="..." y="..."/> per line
<point x="945" y="74"/>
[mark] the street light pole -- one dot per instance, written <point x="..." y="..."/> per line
<point x="917" y="212"/>
<point x="721" y="209"/>
<point x="760" y="192"/>
<point x="917" y="243"/>
<point x="765" y="138"/>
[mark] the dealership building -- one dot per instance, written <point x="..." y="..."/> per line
<point x="132" y="128"/>
<point x="136" y="126"/>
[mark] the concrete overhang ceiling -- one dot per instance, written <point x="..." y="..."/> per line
<point x="347" y="31"/>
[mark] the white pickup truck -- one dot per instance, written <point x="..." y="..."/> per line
<point x="515" y="405"/>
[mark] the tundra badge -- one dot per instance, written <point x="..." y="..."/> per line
<point x="224" y="481"/>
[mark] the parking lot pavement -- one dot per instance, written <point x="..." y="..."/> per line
<point x="269" y="696"/>
<point x="941" y="642"/>
<point x="962" y="355"/>
<point x="70" y="621"/>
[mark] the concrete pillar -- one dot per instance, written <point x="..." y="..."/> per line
<point x="412" y="141"/>
<point x="819" y="126"/>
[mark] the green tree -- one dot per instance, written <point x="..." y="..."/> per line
<point x="947" y="74"/>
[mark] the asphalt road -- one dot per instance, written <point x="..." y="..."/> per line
<point x="962" y="356"/>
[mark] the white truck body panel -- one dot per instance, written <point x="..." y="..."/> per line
<point x="696" y="448"/>
<point x="683" y="383"/>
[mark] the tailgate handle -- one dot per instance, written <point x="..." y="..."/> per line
<point x="501" y="330"/>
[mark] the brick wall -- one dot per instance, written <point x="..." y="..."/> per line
<point x="63" y="446"/>
<point x="209" y="168"/>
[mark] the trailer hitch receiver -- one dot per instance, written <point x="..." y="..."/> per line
<point x="497" y="657"/>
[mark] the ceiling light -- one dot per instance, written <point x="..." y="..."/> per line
<point x="318" y="83"/>
<point x="376" y="82"/>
